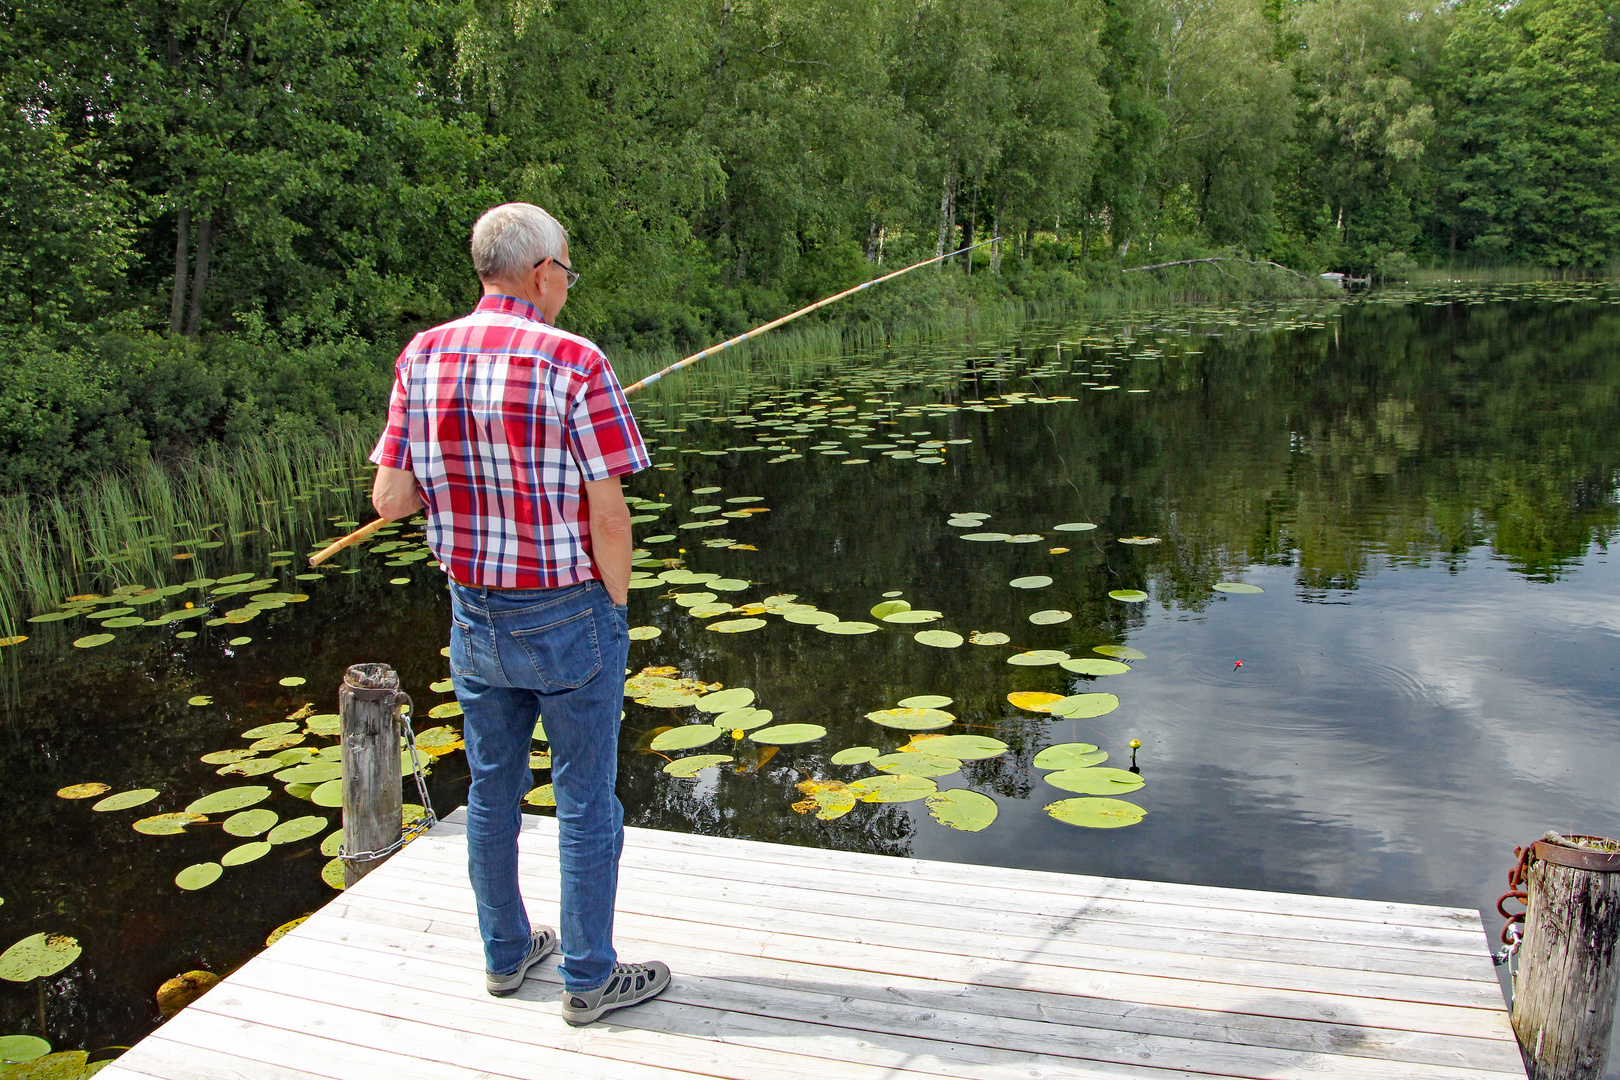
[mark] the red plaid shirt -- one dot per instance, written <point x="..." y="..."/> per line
<point x="502" y="418"/>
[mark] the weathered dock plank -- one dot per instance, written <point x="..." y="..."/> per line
<point x="803" y="964"/>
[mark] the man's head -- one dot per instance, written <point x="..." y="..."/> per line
<point x="520" y="250"/>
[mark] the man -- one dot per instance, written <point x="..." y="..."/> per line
<point x="514" y="434"/>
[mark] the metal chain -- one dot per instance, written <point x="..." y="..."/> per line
<point x="1513" y="928"/>
<point x="428" y="818"/>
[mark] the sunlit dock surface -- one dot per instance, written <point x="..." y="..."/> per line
<point x="799" y="964"/>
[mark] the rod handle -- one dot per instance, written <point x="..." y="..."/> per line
<point x="353" y="538"/>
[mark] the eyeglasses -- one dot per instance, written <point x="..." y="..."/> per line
<point x="573" y="278"/>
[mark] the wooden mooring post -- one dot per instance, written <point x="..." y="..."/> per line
<point x="369" y="702"/>
<point x="1564" y="993"/>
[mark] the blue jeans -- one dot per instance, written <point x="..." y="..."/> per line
<point x="517" y="656"/>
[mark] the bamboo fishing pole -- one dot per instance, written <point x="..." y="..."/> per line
<point x="641" y="384"/>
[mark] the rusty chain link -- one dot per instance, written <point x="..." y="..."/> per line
<point x="1513" y="928"/>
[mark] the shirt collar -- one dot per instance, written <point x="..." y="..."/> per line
<point x="510" y="305"/>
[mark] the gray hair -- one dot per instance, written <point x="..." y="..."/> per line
<point x="509" y="239"/>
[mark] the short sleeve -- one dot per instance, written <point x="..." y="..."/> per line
<point x="393" y="449"/>
<point x="601" y="432"/>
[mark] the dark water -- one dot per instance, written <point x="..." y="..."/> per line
<point x="1424" y="487"/>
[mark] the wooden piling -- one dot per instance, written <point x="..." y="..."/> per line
<point x="369" y="703"/>
<point x="1564" y="994"/>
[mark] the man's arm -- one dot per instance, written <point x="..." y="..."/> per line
<point x="610" y="535"/>
<point x="394" y="495"/>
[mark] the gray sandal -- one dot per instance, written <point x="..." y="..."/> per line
<point x="630" y="984"/>
<point x="541" y="944"/>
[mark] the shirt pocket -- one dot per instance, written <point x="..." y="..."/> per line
<point x="561" y="655"/>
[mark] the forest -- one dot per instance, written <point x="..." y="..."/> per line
<point x="219" y="219"/>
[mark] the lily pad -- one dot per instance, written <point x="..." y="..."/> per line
<point x="38" y="956"/>
<point x="1075" y="526"/>
<point x="544" y="795"/>
<point x="332" y="873"/>
<point x="167" y="824"/>
<point x="329" y="793"/>
<point x="720" y="701"/>
<point x="1096" y="813"/>
<point x="1129" y="596"/>
<point x="939" y="639"/>
<point x="90" y="641"/>
<point x="126" y="799"/>
<point x="893" y="788"/>
<point x="198" y="876"/>
<point x="229" y="800"/>
<point x="735" y="626"/>
<point x="1141" y="541"/>
<point x="200" y="699"/>
<point x="293" y="680"/>
<point x="276" y="742"/>
<point x="249" y="823"/>
<point x="987" y="537"/>
<point x="266" y="730"/>
<point x="924" y="701"/>
<point x="15" y="639"/>
<point x="644" y="633"/>
<point x="855" y="755"/>
<point x="332" y="843"/>
<point x="889" y="607"/>
<point x="1236" y="587"/>
<point x="728" y="584"/>
<point x="238" y="640"/>
<point x="245" y="853"/>
<point x="250" y="767"/>
<point x="1094" y="781"/>
<point x="1090" y="665"/>
<point x="917" y="764"/>
<point x="686" y="737"/>
<point x="960" y="747"/>
<point x="1074" y="755"/>
<point x="691" y="766"/>
<point x="811" y="618"/>
<point x="83" y="791"/>
<point x="743" y="719"/>
<point x="20" y="1048"/>
<point x="912" y="719"/>
<point x="1051" y="617"/>
<point x="299" y="828"/>
<point x="1120" y="652"/>
<point x="1037" y="658"/>
<point x="445" y="709"/>
<point x="961" y="809"/>
<point x="1034" y="700"/>
<point x="1034" y="581"/>
<point x="1084" y="706"/>
<point x="993" y="637"/>
<point x="913" y="615"/>
<point x="788" y="734"/>
<point x="848" y="628"/>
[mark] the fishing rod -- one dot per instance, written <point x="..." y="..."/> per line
<point x="641" y="384"/>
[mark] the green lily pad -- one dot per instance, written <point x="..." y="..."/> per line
<point x="735" y="626"/>
<point x="1141" y="541"/>
<point x="332" y="874"/>
<point x="276" y="742"/>
<point x="1084" y="706"/>
<point x="250" y="767"/>
<point x="720" y="701"/>
<point x="544" y="795"/>
<point x="893" y="788"/>
<point x="238" y="640"/>
<point x="912" y="719"/>
<point x="743" y="719"/>
<point x="848" y="628"/>
<point x="810" y="618"/>
<point x="20" y="1048"/>
<point x="300" y="791"/>
<point x="696" y="599"/>
<point x="1129" y="596"/>
<point x="1050" y="617"/>
<point x="249" y="823"/>
<point x="788" y="734"/>
<point x="53" y="616"/>
<point x="90" y="641"/>
<point x="443" y="686"/>
<point x="1037" y="658"/>
<point x="263" y="731"/>
<point x="1096" y="813"/>
<point x="1074" y="755"/>
<point x="1094" y="781"/>
<point x="855" y="755"/>
<point x="167" y="824"/>
<point x="728" y="584"/>
<point x="198" y="876"/>
<point x="38" y="956"/>
<point x="939" y="639"/>
<point x="1074" y="526"/>
<point x="299" y="828"/>
<point x="686" y="737"/>
<point x="644" y="633"/>
<point x="123" y="621"/>
<point x="889" y="607"/>
<point x="1120" y="652"/>
<point x="691" y="766"/>
<point x="1090" y="665"/>
<point x="294" y="680"/>
<point x="329" y="793"/>
<point x="961" y="809"/>
<point x="960" y="747"/>
<point x="200" y="699"/>
<point x="444" y="710"/>
<point x="913" y="615"/>
<point x="1232" y="587"/>
<point x="126" y="799"/>
<point x="924" y="701"/>
<point x="245" y="853"/>
<point x="324" y="724"/>
<point x="332" y="843"/>
<point x="229" y="800"/>
<point x="1033" y="581"/>
<point x="314" y="772"/>
<point x="917" y="764"/>
<point x="994" y="637"/>
<point x="987" y="537"/>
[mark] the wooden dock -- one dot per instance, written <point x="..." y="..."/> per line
<point x="799" y="964"/>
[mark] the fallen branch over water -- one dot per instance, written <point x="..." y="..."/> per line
<point x="1246" y="262"/>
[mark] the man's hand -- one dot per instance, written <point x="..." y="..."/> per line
<point x="394" y="494"/>
<point x="610" y="535"/>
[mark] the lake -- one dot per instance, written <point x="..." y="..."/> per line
<point x="1408" y="669"/>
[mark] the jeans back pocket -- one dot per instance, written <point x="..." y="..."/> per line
<point x="561" y="655"/>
